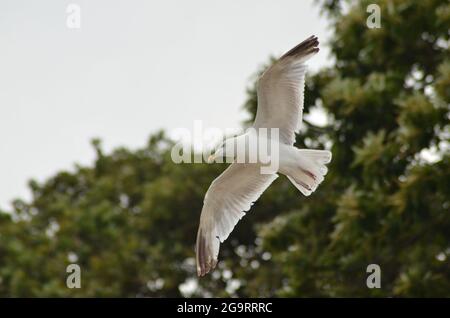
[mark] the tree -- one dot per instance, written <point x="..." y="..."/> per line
<point x="130" y="220"/>
<point x="382" y="203"/>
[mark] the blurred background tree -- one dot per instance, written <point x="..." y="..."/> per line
<point x="130" y="220"/>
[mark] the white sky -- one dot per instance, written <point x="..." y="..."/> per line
<point x="134" y="66"/>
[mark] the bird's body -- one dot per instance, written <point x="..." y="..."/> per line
<point x="280" y="106"/>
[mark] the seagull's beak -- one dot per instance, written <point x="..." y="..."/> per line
<point x="211" y="158"/>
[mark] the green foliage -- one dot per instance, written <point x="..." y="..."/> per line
<point x="382" y="203"/>
<point x="130" y="220"/>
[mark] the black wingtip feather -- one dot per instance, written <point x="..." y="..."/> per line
<point x="306" y="47"/>
<point x="205" y="263"/>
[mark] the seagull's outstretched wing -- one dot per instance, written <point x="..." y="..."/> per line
<point x="229" y="196"/>
<point x="280" y="91"/>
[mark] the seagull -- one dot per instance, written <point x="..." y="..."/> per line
<point x="280" y="106"/>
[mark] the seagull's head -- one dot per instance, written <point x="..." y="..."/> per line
<point x="224" y="150"/>
<point x="219" y="153"/>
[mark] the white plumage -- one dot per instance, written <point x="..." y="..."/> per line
<point x="280" y="105"/>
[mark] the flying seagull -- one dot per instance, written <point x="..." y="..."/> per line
<point x="280" y="106"/>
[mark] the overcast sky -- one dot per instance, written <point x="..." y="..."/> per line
<point x="132" y="68"/>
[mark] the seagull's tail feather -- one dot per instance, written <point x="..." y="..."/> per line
<point x="310" y="170"/>
<point x="303" y="51"/>
<point x="207" y="250"/>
